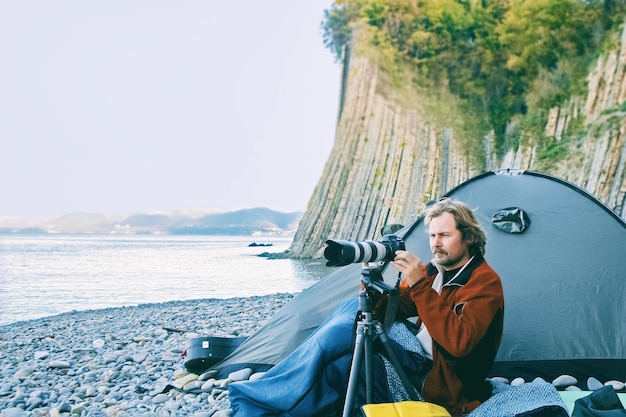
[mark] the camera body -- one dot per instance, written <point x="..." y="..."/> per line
<point x="343" y="252"/>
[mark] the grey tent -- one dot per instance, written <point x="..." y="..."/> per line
<point x="561" y="255"/>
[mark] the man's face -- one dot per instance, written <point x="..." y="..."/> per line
<point x="448" y="246"/>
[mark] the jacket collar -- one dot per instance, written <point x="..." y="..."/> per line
<point x="461" y="279"/>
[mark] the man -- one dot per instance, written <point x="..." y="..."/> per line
<point x="460" y="306"/>
<point x="458" y="301"/>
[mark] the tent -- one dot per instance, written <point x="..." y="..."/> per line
<point x="564" y="280"/>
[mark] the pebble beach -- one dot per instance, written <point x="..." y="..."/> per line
<point x="127" y="361"/>
<point x="120" y="361"/>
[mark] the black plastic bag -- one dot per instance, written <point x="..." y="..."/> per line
<point x="601" y="403"/>
<point x="511" y="220"/>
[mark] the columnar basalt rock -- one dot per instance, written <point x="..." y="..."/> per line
<point x="389" y="159"/>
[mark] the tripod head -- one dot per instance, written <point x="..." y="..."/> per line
<point x="375" y="288"/>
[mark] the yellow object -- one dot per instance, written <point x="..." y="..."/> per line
<point x="405" y="409"/>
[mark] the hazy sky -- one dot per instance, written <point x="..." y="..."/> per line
<point x="123" y="106"/>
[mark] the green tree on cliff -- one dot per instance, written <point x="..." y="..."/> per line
<point x="501" y="58"/>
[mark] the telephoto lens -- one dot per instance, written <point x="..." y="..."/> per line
<point x="344" y="252"/>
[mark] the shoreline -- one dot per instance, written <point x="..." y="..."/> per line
<point x="118" y="360"/>
<point x="165" y="305"/>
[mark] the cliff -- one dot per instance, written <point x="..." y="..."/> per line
<point x="392" y="154"/>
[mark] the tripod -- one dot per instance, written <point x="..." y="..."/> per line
<point x="367" y="329"/>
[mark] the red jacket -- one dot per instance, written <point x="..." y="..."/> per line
<point x="465" y="322"/>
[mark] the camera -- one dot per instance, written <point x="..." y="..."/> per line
<point x="343" y="252"/>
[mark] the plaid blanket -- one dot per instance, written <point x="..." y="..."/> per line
<point x="531" y="399"/>
<point x="536" y="398"/>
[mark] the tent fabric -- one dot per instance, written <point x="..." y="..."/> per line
<point x="294" y="322"/>
<point x="564" y="282"/>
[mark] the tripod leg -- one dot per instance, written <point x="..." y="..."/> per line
<point x="369" y="365"/>
<point x="391" y="355"/>
<point x="355" y="368"/>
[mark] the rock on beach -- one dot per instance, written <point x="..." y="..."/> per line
<point x="127" y="362"/>
<point x="119" y="361"/>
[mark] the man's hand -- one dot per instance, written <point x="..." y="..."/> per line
<point x="410" y="266"/>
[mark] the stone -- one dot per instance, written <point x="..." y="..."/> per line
<point x="181" y="382"/>
<point x="23" y="373"/>
<point x="179" y="373"/>
<point x="65" y="407"/>
<point x="58" y="364"/>
<point x="142" y="339"/>
<point x="258" y="375"/>
<point x="593" y="384"/>
<point x="191" y="385"/>
<point x="14" y="412"/>
<point x="41" y="354"/>
<point x="208" y="384"/>
<point x="617" y="385"/>
<point x="564" y="381"/>
<point x="499" y="379"/>
<point x="518" y="381"/>
<point x="6" y="389"/>
<point x="160" y="398"/>
<point x="98" y="343"/>
<point x="240" y="375"/>
<point x="109" y="357"/>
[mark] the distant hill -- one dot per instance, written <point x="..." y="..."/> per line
<point x="246" y="222"/>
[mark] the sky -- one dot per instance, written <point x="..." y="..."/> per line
<point x="124" y="106"/>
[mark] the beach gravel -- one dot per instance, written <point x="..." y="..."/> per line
<point x="128" y="361"/>
<point x="122" y="361"/>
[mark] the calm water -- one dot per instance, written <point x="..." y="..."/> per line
<point x="42" y="275"/>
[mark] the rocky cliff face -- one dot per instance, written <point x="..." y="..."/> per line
<point x="389" y="160"/>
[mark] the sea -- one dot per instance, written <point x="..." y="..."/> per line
<point x="47" y="274"/>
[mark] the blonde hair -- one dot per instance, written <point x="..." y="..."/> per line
<point x="466" y="222"/>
